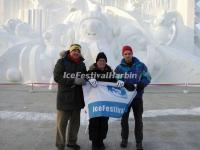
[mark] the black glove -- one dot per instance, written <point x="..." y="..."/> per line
<point x="140" y="86"/>
<point x="129" y="86"/>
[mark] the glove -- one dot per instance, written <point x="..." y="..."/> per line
<point x="93" y="82"/>
<point x="140" y="86"/>
<point x="130" y="87"/>
<point x="79" y="81"/>
<point x="120" y="83"/>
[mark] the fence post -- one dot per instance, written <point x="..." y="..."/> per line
<point x="186" y="88"/>
<point x="31" y="87"/>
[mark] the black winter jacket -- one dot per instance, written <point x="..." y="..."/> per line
<point x="94" y="69"/>
<point x="98" y="127"/>
<point x="69" y="95"/>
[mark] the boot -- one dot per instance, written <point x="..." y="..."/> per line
<point x="74" y="146"/>
<point x="102" y="146"/>
<point x="139" y="146"/>
<point x="124" y="143"/>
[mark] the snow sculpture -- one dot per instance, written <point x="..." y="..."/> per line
<point x="15" y="34"/>
<point x="92" y="30"/>
<point x="98" y="28"/>
<point x="45" y="53"/>
<point x="13" y="75"/>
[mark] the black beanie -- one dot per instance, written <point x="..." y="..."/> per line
<point x="101" y="55"/>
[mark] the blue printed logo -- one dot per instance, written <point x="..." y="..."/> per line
<point x="107" y="109"/>
<point x="116" y="91"/>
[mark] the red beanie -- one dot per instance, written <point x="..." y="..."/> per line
<point x="126" y="48"/>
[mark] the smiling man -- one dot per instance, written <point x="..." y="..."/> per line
<point x="132" y="65"/>
<point x="98" y="126"/>
<point x="70" y="98"/>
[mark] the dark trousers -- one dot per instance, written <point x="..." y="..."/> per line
<point x="98" y="128"/>
<point x="70" y="119"/>
<point x="137" y="107"/>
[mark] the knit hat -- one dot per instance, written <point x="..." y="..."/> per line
<point x="101" y="55"/>
<point x="75" y="47"/>
<point x="126" y="48"/>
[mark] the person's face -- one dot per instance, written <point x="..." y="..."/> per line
<point x="101" y="63"/>
<point x="75" y="54"/>
<point x="128" y="56"/>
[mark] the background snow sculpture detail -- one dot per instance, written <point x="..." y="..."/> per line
<point x="156" y="40"/>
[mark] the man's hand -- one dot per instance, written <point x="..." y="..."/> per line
<point x="93" y="82"/>
<point x="130" y="87"/>
<point x="120" y="83"/>
<point x="79" y="81"/>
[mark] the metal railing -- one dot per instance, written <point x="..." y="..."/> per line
<point x="52" y="87"/>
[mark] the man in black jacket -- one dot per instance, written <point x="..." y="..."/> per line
<point x="70" y="98"/>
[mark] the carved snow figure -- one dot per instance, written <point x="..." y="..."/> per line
<point x="97" y="28"/>
<point x="16" y="35"/>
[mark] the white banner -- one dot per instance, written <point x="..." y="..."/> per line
<point x="106" y="100"/>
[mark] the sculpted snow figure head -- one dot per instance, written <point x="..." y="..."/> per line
<point x="93" y="32"/>
<point x="93" y="25"/>
<point x="56" y="39"/>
